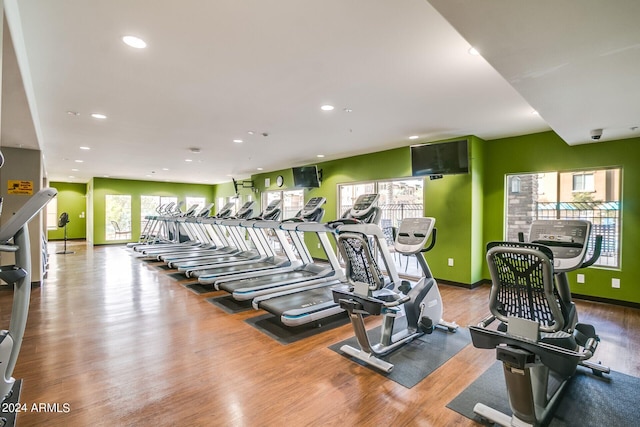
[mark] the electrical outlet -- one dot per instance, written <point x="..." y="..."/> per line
<point x="450" y="262"/>
<point x="615" y="283"/>
<point x="580" y="278"/>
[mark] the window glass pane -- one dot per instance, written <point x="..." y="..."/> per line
<point x="52" y="214"/>
<point x="148" y="207"/>
<point x="292" y="202"/>
<point x="590" y="195"/>
<point x="165" y="200"/>
<point x="118" y="217"/>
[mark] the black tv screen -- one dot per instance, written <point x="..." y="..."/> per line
<point x="444" y="158"/>
<point x="306" y="177"/>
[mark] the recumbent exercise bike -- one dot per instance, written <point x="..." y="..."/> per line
<point x="538" y="340"/>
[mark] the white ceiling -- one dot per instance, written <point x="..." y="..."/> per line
<point x="214" y="70"/>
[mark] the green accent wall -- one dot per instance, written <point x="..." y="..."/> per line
<point x="100" y="187"/>
<point x="72" y="199"/>
<point x="547" y="152"/>
<point x="469" y="208"/>
<point x="451" y="200"/>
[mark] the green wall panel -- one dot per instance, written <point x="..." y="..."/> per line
<point x="547" y="152"/>
<point x="106" y="186"/>
<point x="72" y="199"/>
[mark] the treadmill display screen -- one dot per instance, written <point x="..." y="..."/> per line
<point x="363" y="204"/>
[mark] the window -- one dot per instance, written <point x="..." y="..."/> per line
<point x="118" y="217"/>
<point x="591" y="195"/>
<point x="399" y="199"/>
<point x="52" y="214"/>
<point x="583" y="182"/>
<point x="292" y="201"/>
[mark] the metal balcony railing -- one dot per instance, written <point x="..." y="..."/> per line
<point x="604" y="217"/>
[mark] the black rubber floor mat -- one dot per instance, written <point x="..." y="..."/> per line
<point x="414" y="361"/>
<point x="269" y="325"/>
<point x="588" y="400"/>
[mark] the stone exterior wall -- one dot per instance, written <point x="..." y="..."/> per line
<point x="521" y="206"/>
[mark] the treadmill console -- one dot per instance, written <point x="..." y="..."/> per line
<point x="192" y="210"/>
<point x="272" y="206"/>
<point x="312" y="205"/>
<point x="413" y="234"/>
<point x="205" y="211"/>
<point x="246" y="210"/>
<point x="226" y="210"/>
<point x="567" y="239"/>
<point x="363" y="205"/>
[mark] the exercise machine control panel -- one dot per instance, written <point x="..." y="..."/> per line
<point x="245" y="210"/>
<point x="312" y="205"/>
<point x="226" y="210"/>
<point x="364" y="203"/>
<point x="567" y="238"/>
<point x="413" y="234"/>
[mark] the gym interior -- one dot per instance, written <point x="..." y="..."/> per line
<point x="118" y="335"/>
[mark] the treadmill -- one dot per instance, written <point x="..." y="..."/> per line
<point x="306" y="220"/>
<point x="257" y="251"/>
<point x="314" y="301"/>
<point x="259" y="227"/>
<point x="218" y="243"/>
<point x="231" y="229"/>
<point x="182" y="234"/>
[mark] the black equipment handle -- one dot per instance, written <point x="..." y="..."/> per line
<point x="597" y="250"/>
<point x="434" y="233"/>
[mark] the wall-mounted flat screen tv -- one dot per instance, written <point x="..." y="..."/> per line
<point x="443" y="158"/>
<point x="306" y="177"/>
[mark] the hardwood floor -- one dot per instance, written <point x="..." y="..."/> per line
<point x="124" y="344"/>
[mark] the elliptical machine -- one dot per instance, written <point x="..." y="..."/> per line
<point x="539" y="340"/>
<point x="371" y="293"/>
<point x="14" y="238"/>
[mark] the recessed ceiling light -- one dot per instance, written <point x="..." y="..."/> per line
<point x="136" y="42"/>
<point x="237" y="141"/>
<point x="260" y="169"/>
<point x="85" y="148"/>
<point x="320" y="155"/>
<point x="473" y="51"/>
<point x="251" y="132"/>
<point x="79" y="161"/>
<point x="188" y="160"/>
<point x="71" y="176"/>
<point x="414" y="137"/>
<point x="75" y="170"/>
<point x="347" y="110"/>
<point x="165" y="169"/>
<point x="98" y="116"/>
<point x="73" y="113"/>
<point x="327" y="107"/>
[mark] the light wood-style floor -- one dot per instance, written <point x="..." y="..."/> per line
<point x="123" y="344"/>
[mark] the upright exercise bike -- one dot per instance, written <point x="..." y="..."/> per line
<point x="538" y="338"/>
<point x="371" y="293"/>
